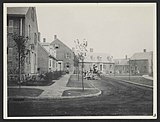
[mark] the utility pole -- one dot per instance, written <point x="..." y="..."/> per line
<point x="82" y="75"/>
<point x="78" y="70"/>
<point x="129" y="69"/>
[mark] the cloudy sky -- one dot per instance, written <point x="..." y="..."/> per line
<point x="117" y="29"/>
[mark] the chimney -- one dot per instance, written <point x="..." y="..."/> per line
<point x="55" y="37"/>
<point x="73" y="49"/>
<point x="91" y="49"/>
<point x="44" y="39"/>
<point x="144" y="50"/>
<point x="126" y="56"/>
<point x="39" y="36"/>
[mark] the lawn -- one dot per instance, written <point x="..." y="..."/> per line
<point x="31" y="83"/>
<point x="24" y="92"/>
<point x="137" y="79"/>
<point x="79" y="92"/>
<point x="73" y="82"/>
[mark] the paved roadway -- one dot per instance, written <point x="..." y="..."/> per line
<point x="117" y="98"/>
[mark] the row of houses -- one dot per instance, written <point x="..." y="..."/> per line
<point x="140" y="63"/>
<point x="43" y="56"/>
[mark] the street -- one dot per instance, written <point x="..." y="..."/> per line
<point x="117" y="98"/>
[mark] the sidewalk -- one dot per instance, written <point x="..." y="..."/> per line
<point x="57" y="90"/>
<point x="148" y="77"/>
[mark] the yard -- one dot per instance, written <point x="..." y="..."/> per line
<point x="136" y="79"/>
<point x="24" y="92"/>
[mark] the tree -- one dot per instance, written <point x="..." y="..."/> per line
<point x="22" y="52"/>
<point x="81" y="53"/>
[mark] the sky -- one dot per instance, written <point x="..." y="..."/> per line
<point x="115" y="29"/>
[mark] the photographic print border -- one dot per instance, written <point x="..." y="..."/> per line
<point x="5" y="107"/>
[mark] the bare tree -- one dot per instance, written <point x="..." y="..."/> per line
<point x="22" y="52"/>
<point x="81" y="53"/>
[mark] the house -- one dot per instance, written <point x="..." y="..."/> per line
<point x="22" y="21"/>
<point x="64" y="55"/>
<point x="121" y="66"/>
<point x="141" y="63"/>
<point x="102" y="62"/>
<point x="46" y="58"/>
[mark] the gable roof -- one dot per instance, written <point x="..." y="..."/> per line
<point x="40" y="44"/>
<point x="60" y="42"/>
<point x="121" y="61"/>
<point x="142" y="56"/>
<point x="17" y="10"/>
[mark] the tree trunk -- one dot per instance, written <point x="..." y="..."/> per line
<point x="19" y="69"/>
<point x="82" y="77"/>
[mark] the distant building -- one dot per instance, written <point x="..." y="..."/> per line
<point x="142" y="63"/>
<point x="121" y="66"/>
<point x="23" y="22"/>
<point x="46" y="57"/>
<point x="98" y="61"/>
<point x="64" y="55"/>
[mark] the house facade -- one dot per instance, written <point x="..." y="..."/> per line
<point x="46" y="58"/>
<point x="64" y="55"/>
<point x="121" y="66"/>
<point x="141" y="63"/>
<point x="22" y="21"/>
<point x="101" y="62"/>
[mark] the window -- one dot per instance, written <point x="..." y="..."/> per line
<point x="110" y="66"/>
<point x="68" y="55"/>
<point x="29" y="31"/>
<point x="50" y="63"/>
<point x="56" y="46"/>
<point x="53" y="64"/>
<point x="100" y="58"/>
<point x="32" y="14"/>
<point x="35" y="38"/>
<point x="104" y="66"/>
<point x="29" y="57"/>
<point x="10" y="54"/>
<point x="91" y="57"/>
<point x="67" y="65"/>
<point x="101" y="67"/>
<point x="108" y="58"/>
<point x="10" y="26"/>
<point x="35" y="59"/>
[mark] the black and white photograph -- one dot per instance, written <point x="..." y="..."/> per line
<point x="80" y="61"/>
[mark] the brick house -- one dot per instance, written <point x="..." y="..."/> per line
<point x="64" y="55"/>
<point x="46" y="58"/>
<point x="121" y="66"/>
<point x="142" y="63"/>
<point x="23" y="22"/>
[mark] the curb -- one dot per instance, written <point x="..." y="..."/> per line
<point x="48" y="98"/>
<point x="132" y="82"/>
<point x="88" y="95"/>
<point x="61" y="97"/>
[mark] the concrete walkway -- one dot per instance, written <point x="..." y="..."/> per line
<point x="55" y="90"/>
